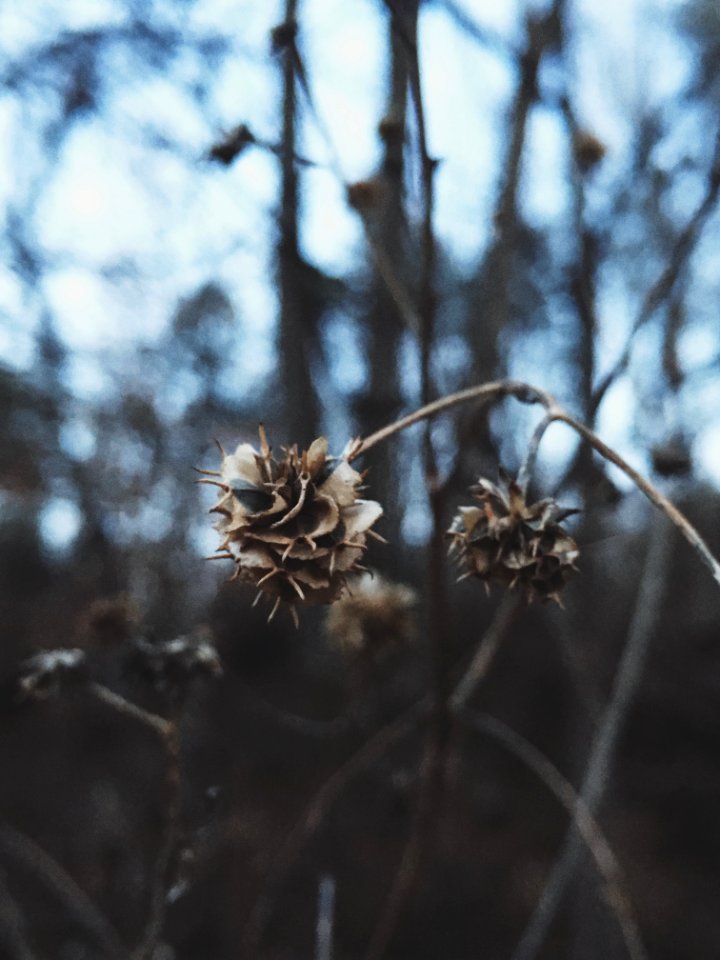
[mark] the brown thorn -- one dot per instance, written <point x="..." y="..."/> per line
<point x="257" y="598"/>
<point x="268" y="575"/>
<point x="209" y="473"/>
<point x="294" y="615"/>
<point x="274" y="609"/>
<point x="265" y="449"/>
<point x="213" y="483"/>
<point x="219" y="446"/>
<point x="296" y="586"/>
<point x="351" y="543"/>
<point x="219" y="556"/>
<point x="376" y="536"/>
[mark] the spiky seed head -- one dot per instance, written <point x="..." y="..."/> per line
<point x="503" y="539"/>
<point x="294" y="526"/>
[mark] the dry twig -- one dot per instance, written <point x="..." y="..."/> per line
<point x="169" y="736"/>
<point x="648" y="610"/>
<point x="579" y="810"/>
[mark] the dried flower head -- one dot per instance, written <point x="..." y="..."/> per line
<point x="375" y="617"/>
<point x="296" y="526"/>
<point x="170" y="664"/>
<point x="111" y="619"/>
<point x="508" y="541"/>
<point x="45" y="674"/>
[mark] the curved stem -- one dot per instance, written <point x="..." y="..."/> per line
<point x="55" y="878"/>
<point x="528" y="465"/>
<point x="581" y="814"/>
<point x="526" y="393"/>
<point x="486" y="391"/>
<point x="650" y="491"/>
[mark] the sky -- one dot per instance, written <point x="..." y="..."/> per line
<point x="127" y="226"/>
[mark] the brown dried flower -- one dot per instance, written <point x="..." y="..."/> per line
<point x="295" y="527"/>
<point x="510" y="542"/>
<point x="375" y="617"/>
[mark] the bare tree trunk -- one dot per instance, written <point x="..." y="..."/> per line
<point x="384" y="322"/>
<point x="299" y="406"/>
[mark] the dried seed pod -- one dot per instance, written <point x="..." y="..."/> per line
<point x="295" y="527"/>
<point x="375" y="617"/>
<point x="505" y="540"/>
<point x="45" y="674"/>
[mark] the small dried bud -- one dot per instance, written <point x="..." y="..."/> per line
<point x="231" y="145"/>
<point x="508" y="541"/>
<point x="283" y="35"/>
<point x="111" y="619"/>
<point x="171" y="663"/>
<point x="672" y="458"/>
<point x="365" y="195"/>
<point x="46" y="673"/>
<point x="391" y="130"/>
<point x="588" y="150"/>
<point x="295" y="527"/>
<point x="377" y="616"/>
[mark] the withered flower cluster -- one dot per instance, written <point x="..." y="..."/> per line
<point x="507" y="541"/>
<point x="376" y="617"/>
<point x="296" y="526"/>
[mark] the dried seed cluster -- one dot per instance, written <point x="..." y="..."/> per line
<point x="505" y="540"/>
<point x="296" y="526"/>
<point x="171" y="664"/>
<point x="376" y="617"/>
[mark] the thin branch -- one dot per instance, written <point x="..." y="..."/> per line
<point x="169" y="735"/>
<point x="405" y="23"/>
<point x="400" y="295"/>
<point x="312" y="818"/>
<point x="58" y="881"/>
<point x="12" y="926"/>
<point x="528" y="465"/>
<point x="665" y="283"/>
<point x="325" y="918"/>
<point x="431" y="778"/>
<point x="168" y="844"/>
<point x="476" y="672"/>
<point x="119" y="704"/>
<point x="307" y="726"/>
<point x="650" y="491"/>
<point x="580" y="812"/>
<point x="496" y="390"/>
<point x="648" y="610"/>
<point x="483" y="35"/>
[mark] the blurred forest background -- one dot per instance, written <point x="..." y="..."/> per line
<point x="217" y="214"/>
